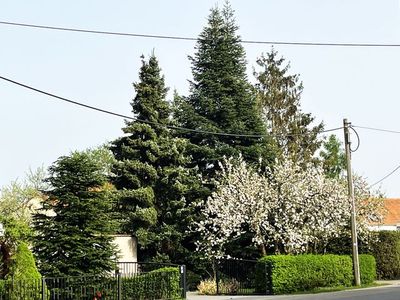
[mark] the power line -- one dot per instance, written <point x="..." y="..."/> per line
<point x="377" y="129"/>
<point x="392" y="172"/>
<point x="145" y="121"/>
<point x="171" y="37"/>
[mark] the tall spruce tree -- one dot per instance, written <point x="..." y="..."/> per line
<point x="153" y="184"/>
<point x="221" y="100"/>
<point x="279" y="95"/>
<point x="74" y="226"/>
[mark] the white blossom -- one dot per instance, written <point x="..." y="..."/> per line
<point x="289" y="206"/>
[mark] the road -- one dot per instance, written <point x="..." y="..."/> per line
<point x="378" y="293"/>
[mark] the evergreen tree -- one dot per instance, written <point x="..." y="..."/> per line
<point x="221" y="100"/>
<point x="73" y="228"/>
<point x="279" y="95"/>
<point x="333" y="157"/>
<point x="150" y="174"/>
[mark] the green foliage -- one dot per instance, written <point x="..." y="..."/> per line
<point x="287" y="274"/>
<point x="74" y="225"/>
<point x="367" y="268"/>
<point x="154" y="186"/>
<point x="23" y="280"/>
<point x="333" y="157"/>
<point x="15" y="198"/>
<point x="221" y="99"/>
<point x="278" y="96"/>
<point x="386" y="250"/>
<point x="21" y="289"/>
<point x="158" y="284"/>
<point x="16" y="232"/>
<point x="23" y="264"/>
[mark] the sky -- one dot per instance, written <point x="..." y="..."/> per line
<point x="360" y="84"/>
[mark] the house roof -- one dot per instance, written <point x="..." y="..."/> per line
<point x="392" y="216"/>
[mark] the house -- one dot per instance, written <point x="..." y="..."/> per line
<point x="391" y="220"/>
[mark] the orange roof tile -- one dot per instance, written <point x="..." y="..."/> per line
<point x="393" y="212"/>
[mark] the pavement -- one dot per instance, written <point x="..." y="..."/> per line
<point x="383" y="284"/>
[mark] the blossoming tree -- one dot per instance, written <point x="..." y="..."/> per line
<point x="288" y="209"/>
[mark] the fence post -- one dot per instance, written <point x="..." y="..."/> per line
<point x="44" y="288"/>
<point x="182" y="272"/>
<point x="119" y="285"/>
<point x="216" y="275"/>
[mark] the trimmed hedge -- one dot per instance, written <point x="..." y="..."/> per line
<point x="367" y="268"/>
<point x="162" y="283"/>
<point x="387" y="254"/>
<point x="280" y="274"/>
<point x="158" y="284"/>
<point x="20" y="289"/>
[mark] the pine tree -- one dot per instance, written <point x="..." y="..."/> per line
<point x="221" y="100"/>
<point x="333" y="157"/>
<point x="279" y="95"/>
<point x="74" y="227"/>
<point x="150" y="174"/>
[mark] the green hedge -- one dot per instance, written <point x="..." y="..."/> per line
<point x="367" y="268"/>
<point x="280" y="274"/>
<point x="23" y="281"/>
<point x="162" y="283"/>
<point x="20" y="289"/>
<point x="158" y="284"/>
<point x="387" y="254"/>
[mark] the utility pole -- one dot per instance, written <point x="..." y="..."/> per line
<point x="356" y="265"/>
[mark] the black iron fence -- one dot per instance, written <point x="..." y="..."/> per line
<point x="235" y="276"/>
<point x="167" y="282"/>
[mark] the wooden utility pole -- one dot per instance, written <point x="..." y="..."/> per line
<point x="356" y="265"/>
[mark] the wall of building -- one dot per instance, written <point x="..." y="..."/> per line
<point x="127" y="246"/>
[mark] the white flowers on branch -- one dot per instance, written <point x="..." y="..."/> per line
<point x="287" y="208"/>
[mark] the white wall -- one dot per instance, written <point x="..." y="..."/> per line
<point x="127" y="246"/>
<point x="383" y="227"/>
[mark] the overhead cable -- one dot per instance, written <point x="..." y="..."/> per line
<point x="376" y="129"/>
<point x="171" y="37"/>
<point x="146" y="121"/>
<point x="392" y="172"/>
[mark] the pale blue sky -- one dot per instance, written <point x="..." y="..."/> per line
<point x="360" y="84"/>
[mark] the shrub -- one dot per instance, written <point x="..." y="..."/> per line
<point x="158" y="284"/>
<point x="207" y="287"/>
<point x="24" y="280"/>
<point x="226" y="286"/>
<point x="23" y="265"/>
<point x="367" y="268"/>
<point x="287" y="274"/>
<point x="386" y="251"/>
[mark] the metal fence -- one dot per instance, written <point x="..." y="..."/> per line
<point x="142" y="284"/>
<point x="236" y="276"/>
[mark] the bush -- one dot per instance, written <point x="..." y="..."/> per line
<point x="207" y="287"/>
<point x="367" y="268"/>
<point x="24" y="280"/>
<point x="158" y="284"/>
<point x="226" y="286"/>
<point x="287" y="274"/>
<point x="386" y="251"/>
<point x="20" y="289"/>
